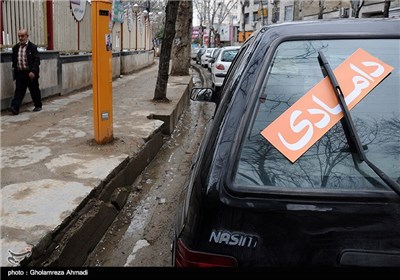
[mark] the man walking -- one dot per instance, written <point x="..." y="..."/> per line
<point x="25" y="64"/>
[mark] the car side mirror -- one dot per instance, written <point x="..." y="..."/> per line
<point x="202" y="94"/>
<point x="211" y="60"/>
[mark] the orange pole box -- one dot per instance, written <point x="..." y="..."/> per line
<point x="102" y="70"/>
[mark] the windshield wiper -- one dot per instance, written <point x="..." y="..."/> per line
<point x="350" y="130"/>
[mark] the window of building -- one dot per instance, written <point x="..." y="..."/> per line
<point x="246" y="18"/>
<point x="255" y="16"/>
<point x="288" y="13"/>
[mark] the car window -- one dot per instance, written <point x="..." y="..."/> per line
<point x="228" y="55"/>
<point x="328" y="164"/>
<point x="216" y="53"/>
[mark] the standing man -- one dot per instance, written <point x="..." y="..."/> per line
<point x="25" y="64"/>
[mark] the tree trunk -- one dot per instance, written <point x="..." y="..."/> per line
<point x="171" y="11"/>
<point x="386" y="9"/>
<point x="321" y="5"/>
<point x="356" y="6"/>
<point x="183" y="37"/>
<point x="242" y="21"/>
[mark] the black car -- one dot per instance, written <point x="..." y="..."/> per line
<point x="300" y="165"/>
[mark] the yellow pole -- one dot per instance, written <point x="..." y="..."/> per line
<point x="102" y="70"/>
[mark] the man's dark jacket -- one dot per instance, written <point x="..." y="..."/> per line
<point x="32" y="55"/>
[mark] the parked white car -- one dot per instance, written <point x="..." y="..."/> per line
<point x="206" y="56"/>
<point x="221" y="64"/>
<point x="194" y="51"/>
<point x="212" y="58"/>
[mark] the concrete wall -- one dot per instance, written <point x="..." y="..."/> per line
<point x="65" y="74"/>
<point x="49" y="79"/>
<point x="133" y="61"/>
<point x="76" y="72"/>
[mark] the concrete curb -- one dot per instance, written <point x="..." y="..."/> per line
<point x="71" y="242"/>
<point x="198" y="70"/>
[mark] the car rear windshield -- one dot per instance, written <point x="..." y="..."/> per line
<point x="329" y="164"/>
<point x="228" y="55"/>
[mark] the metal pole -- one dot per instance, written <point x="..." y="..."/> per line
<point x="136" y="31"/>
<point x="135" y="9"/>
<point x="145" y="32"/>
<point x="49" y="21"/>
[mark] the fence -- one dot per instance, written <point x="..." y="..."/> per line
<point x="63" y="31"/>
<point x="65" y="26"/>
<point x="22" y="14"/>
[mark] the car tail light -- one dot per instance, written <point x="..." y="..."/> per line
<point x="220" y="67"/>
<point x="188" y="258"/>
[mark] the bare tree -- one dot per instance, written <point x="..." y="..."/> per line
<point x="321" y="5"/>
<point x="225" y="9"/>
<point x="244" y="4"/>
<point x="200" y="7"/>
<point x="222" y="10"/>
<point x="356" y="6"/>
<point x="211" y="13"/>
<point x="386" y="9"/>
<point x="181" y="47"/>
<point x="171" y="12"/>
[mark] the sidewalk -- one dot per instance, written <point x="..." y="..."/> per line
<point x="59" y="190"/>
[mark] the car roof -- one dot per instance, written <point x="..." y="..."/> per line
<point x="337" y="26"/>
<point x="230" y="48"/>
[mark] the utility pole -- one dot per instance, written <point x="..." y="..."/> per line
<point x="102" y="70"/>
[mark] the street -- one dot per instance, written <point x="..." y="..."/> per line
<point x="141" y="235"/>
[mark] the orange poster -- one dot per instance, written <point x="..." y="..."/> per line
<point x="307" y="120"/>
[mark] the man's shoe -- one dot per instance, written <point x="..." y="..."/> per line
<point x="14" y="111"/>
<point x="37" y="109"/>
